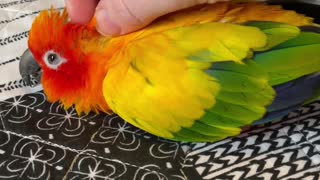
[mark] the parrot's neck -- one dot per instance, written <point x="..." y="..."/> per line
<point x="87" y="98"/>
<point x="98" y="54"/>
<point x="91" y="95"/>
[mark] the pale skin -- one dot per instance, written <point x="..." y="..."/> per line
<point x="118" y="17"/>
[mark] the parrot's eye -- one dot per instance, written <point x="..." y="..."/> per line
<point x="53" y="60"/>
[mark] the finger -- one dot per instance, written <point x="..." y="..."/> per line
<point x="116" y="17"/>
<point x="81" y="11"/>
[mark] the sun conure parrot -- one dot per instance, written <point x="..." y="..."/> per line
<point x="200" y="74"/>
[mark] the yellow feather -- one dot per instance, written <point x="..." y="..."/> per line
<point x="223" y="41"/>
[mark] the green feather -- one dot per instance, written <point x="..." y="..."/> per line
<point x="250" y="68"/>
<point x="238" y="82"/>
<point x="291" y="59"/>
<point x="240" y="96"/>
<point x="213" y="131"/>
<point x="305" y="38"/>
<point x="246" y="98"/>
<point x="277" y="33"/>
<point x="241" y="113"/>
<point x="220" y="120"/>
<point x="244" y="94"/>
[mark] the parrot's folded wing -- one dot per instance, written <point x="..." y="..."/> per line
<point x="198" y="82"/>
<point x="170" y="80"/>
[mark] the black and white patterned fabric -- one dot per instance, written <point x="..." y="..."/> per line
<point x="39" y="140"/>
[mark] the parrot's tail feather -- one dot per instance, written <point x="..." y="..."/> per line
<point x="292" y="95"/>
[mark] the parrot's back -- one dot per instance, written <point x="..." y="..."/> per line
<point x="225" y="12"/>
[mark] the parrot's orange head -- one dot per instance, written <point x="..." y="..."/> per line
<point x="72" y="73"/>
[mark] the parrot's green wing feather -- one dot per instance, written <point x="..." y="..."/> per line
<point x="297" y="52"/>
<point x="299" y="56"/>
<point x="244" y="93"/>
<point x="276" y="33"/>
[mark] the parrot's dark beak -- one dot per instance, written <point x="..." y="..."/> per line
<point x="29" y="69"/>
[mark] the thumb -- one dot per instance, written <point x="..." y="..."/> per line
<point x="117" y="17"/>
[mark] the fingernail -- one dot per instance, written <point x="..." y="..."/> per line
<point x="105" y="25"/>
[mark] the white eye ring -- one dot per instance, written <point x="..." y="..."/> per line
<point x="53" y="60"/>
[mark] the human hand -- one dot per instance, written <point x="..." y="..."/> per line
<point x="117" y="17"/>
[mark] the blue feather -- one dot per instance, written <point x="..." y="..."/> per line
<point x="290" y="96"/>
